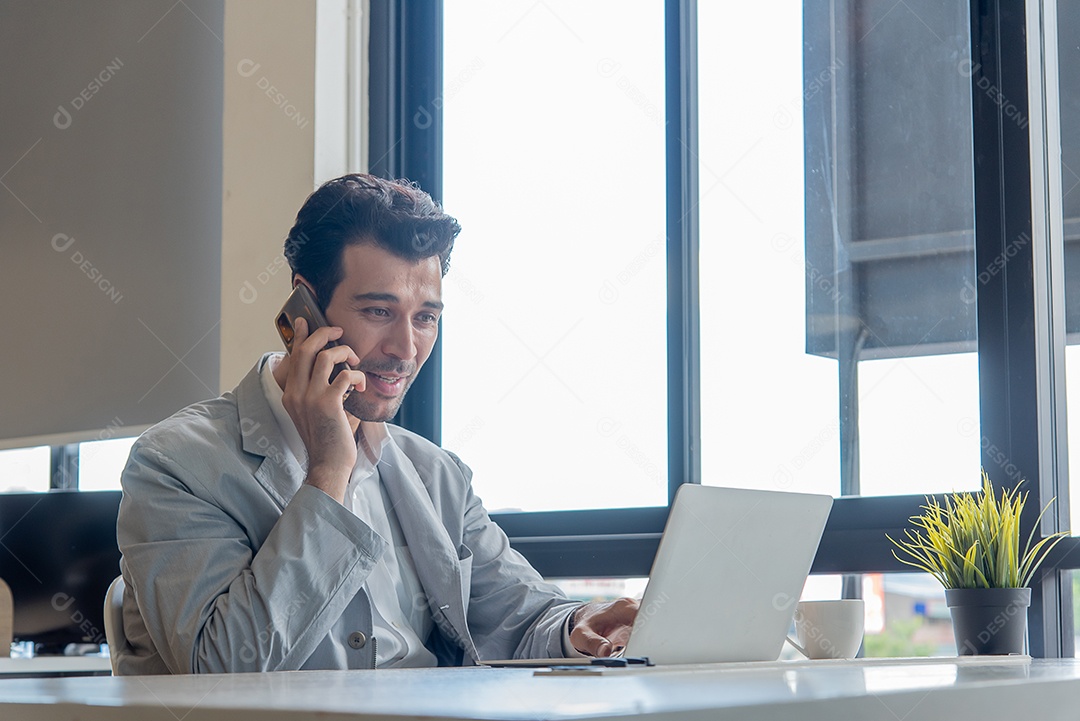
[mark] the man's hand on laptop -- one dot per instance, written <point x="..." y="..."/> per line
<point x="602" y="629"/>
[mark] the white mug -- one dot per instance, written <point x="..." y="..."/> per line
<point x="829" y="629"/>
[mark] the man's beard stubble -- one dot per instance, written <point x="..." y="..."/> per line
<point x="359" y="407"/>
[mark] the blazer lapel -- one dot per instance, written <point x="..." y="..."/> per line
<point x="279" y="473"/>
<point x="434" y="554"/>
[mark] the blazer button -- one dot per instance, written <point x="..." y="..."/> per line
<point x="357" y="639"/>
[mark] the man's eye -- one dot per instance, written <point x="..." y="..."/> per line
<point x="381" y="312"/>
<point x="429" y="318"/>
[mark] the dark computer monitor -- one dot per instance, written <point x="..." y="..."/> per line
<point x="58" y="554"/>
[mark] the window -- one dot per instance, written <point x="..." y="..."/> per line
<point x="835" y="250"/>
<point x="556" y="299"/>
<point x="879" y="255"/>
<point x="24" y="469"/>
<point x="906" y="613"/>
<point x="102" y="462"/>
<point x="600" y="589"/>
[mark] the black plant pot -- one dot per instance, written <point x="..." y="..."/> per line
<point x="989" y="621"/>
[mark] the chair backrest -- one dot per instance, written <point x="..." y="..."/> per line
<point x="114" y="620"/>
<point x="7" y="619"/>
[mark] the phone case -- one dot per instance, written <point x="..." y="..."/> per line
<point x="301" y="304"/>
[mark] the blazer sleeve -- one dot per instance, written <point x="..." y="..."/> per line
<point x="213" y="600"/>
<point x="513" y="612"/>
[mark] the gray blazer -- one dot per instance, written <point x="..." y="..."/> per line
<point x="232" y="564"/>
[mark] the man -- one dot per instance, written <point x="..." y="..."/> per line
<point x="286" y="525"/>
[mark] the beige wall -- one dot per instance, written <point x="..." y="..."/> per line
<point x="286" y="125"/>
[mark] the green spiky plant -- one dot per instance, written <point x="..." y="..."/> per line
<point x="973" y="541"/>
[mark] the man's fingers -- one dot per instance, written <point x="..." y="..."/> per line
<point x="327" y="359"/>
<point x="307" y="345"/>
<point x="312" y="344"/>
<point x="620" y="636"/>
<point x="311" y="366"/>
<point x="604" y="628"/>
<point x="608" y="616"/>
<point x="588" y="641"/>
<point x="625" y="609"/>
<point x="300" y="331"/>
<point x="304" y="350"/>
<point x="346" y="380"/>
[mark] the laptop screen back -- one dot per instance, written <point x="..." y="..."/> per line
<point x="727" y="575"/>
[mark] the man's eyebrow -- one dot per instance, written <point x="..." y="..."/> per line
<point x="384" y="297"/>
<point x="391" y="298"/>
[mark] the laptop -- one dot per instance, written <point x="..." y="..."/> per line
<point x="730" y="568"/>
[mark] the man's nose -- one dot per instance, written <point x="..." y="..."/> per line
<point x="400" y="342"/>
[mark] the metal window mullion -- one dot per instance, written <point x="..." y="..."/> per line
<point x="64" y="466"/>
<point x="1048" y="240"/>
<point x="849" y="338"/>
<point x="683" y="337"/>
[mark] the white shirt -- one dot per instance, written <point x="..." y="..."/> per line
<point x="399" y="608"/>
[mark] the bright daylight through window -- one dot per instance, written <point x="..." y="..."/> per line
<point x="556" y="299"/>
<point x="837" y="263"/>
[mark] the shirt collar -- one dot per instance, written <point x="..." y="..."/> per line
<point x="373" y="440"/>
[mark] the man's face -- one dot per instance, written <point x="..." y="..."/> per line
<point x="389" y="308"/>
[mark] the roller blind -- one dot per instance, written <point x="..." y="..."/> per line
<point x="110" y="214"/>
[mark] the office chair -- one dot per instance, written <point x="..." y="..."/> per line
<point x="7" y="619"/>
<point x="114" y="620"/>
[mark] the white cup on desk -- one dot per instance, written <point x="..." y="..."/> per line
<point x="829" y="629"/>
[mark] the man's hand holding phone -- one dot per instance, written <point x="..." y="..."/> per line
<point x="315" y="405"/>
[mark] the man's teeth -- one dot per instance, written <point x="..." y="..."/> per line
<point x="387" y="380"/>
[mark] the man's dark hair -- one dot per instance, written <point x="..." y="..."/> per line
<point x="396" y="215"/>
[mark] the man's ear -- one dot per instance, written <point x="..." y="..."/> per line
<point x="301" y="280"/>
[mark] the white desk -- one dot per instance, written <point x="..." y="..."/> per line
<point x="945" y="689"/>
<point x="54" y="666"/>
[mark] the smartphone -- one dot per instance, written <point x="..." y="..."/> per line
<point x="301" y="304"/>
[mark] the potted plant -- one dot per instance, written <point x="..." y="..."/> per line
<point x="971" y="545"/>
